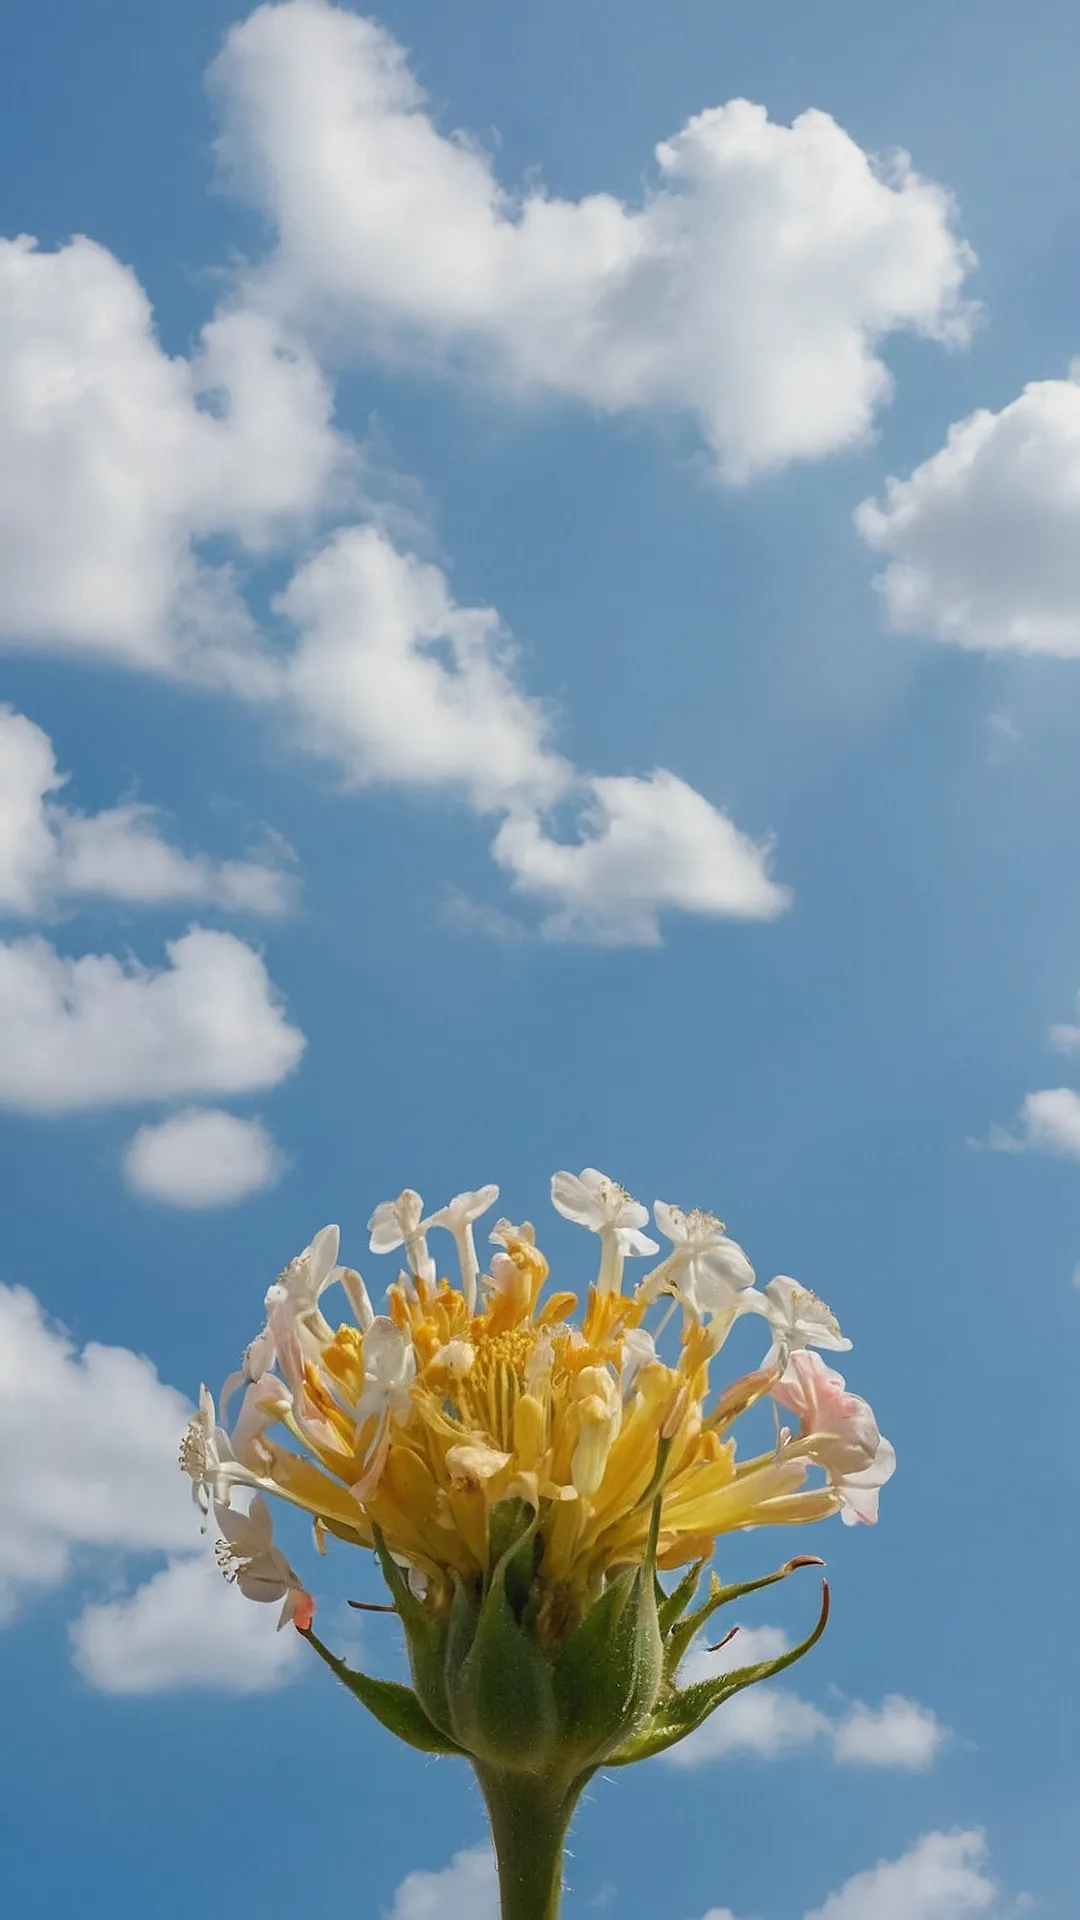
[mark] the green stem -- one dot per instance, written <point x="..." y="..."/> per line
<point x="529" y="1820"/>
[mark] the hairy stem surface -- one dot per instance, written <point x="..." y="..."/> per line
<point x="529" y="1821"/>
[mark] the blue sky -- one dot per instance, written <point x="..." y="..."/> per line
<point x="822" y="979"/>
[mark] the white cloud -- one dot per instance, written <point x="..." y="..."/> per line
<point x="116" y="461"/>
<point x="121" y="462"/>
<point x="89" y="1440"/>
<point x="983" y="540"/>
<point x="770" y="1721"/>
<point x="767" y="1722"/>
<point x="185" y="1627"/>
<point x="751" y="288"/>
<point x="96" y="1031"/>
<point x="1065" y="1038"/>
<point x="899" y="1734"/>
<point x="646" y="845"/>
<point x="943" y="1877"/>
<point x="49" y="852"/>
<point x="466" y="1886"/>
<point x="1048" y="1122"/>
<point x="401" y="684"/>
<point x="89" y="1444"/>
<point x="202" y="1158"/>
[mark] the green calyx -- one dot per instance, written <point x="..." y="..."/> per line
<point x="488" y="1687"/>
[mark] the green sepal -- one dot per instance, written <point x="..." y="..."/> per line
<point x="395" y="1707"/>
<point x="671" y="1606"/>
<point x="425" y="1640"/>
<point x="686" y="1709"/>
<point x="501" y="1696"/>
<point x="681" y="1635"/>
<point x="608" y="1674"/>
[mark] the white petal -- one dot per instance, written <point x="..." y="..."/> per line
<point x="574" y="1196"/>
<point x="671" y="1221"/>
<point x="322" y="1256"/>
<point x="724" y="1260"/>
<point x="632" y="1244"/>
<point x="358" y="1298"/>
<point x="395" y="1221"/>
<point x="249" y="1534"/>
<point x="462" y="1210"/>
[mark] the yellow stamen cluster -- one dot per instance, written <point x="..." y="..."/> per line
<point x="517" y="1402"/>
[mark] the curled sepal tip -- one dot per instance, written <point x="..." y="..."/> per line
<point x="685" y="1710"/>
<point x="685" y="1626"/>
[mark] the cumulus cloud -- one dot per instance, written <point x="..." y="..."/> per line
<point x="401" y="684"/>
<point x="117" y="460"/>
<point x="202" y="1157"/>
<point x="765" y="1721"/>
<point x="645" y="845"/>
<point x="398" y="683"/>
<point x="1048" y="1122"/>
<point x="768" y="1722"/>
<point x="49" y="853"/>
<point x="184" y="1628"/>
<point x="751" y="288"/>
<point x="943" y="1877"/>
<point x="122" y="462"/>
<point x="466" y="1886"/>
<point x="89" y="1444"/>
<point x="899" y="1734"/>
<point x="771" y="1722"/>
<point x="89" y="1439"/>
<point x="96" y="1031"/>
<point x="983" y="539"/>
<point x="1065" y="1037"/>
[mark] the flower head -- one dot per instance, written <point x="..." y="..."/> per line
<point x="248" y="1556"/>
<point x="524" y="1470"/>
<point x="837" y="1431"/>
<point x="207" y="1456"/>
<point x="399" y="1223"/>
<point x="705" y="1270"/>
<point x="797" y="1319"/>
<point x="591" y="1200"/>
<point x="458" y="1217"/>
<point x="294" y="1299"/>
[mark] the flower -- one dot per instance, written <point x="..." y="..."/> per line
<point x="838" y="1431"/>
<point x="389" y="1371"/>
<point x="266" y="1401"/>
<point x="861" y="1492"/>
<point x="247" y="1556"/>
<point x="418" y="1422"/>
<point x="591" y="1200"/>
<point x="526" y="1474"/>
<point x="458" y="1219"/>
<point x="797" y="1319"/>
<point x="205" y="1453"/>
<point x="705" y="1270"/>
<point x="294" y="1298"/>
<point x="469" y="1427"/>
<point x="399" y="1223"/>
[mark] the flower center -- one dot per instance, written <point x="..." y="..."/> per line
<point x="487" y="1395"/>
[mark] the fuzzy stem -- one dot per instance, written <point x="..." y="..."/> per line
<point x="529" y="1820"/>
